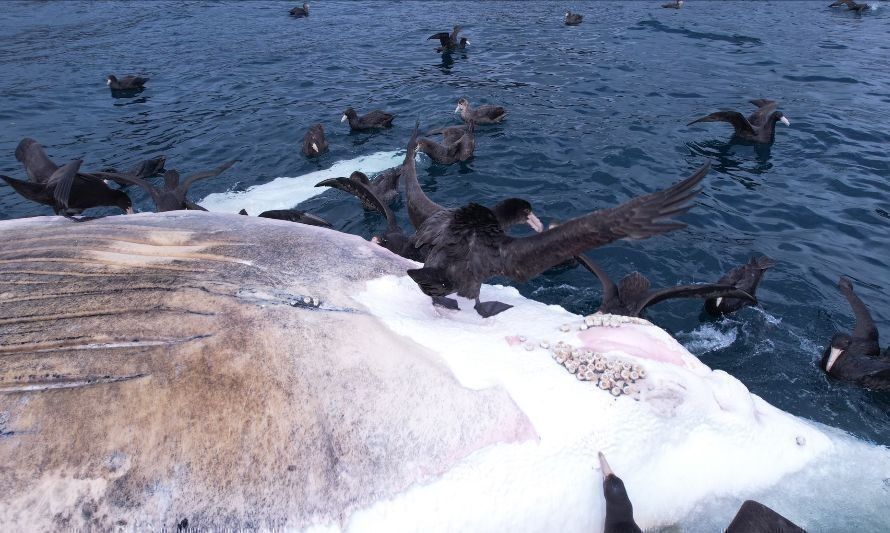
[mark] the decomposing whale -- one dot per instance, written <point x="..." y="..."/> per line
<point x="229" y="372"/>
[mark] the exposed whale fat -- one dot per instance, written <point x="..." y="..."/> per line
<point x="287" y="192"/>
<point x="832" y="358"/>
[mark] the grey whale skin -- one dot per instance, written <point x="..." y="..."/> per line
<point x="226" y="343"/>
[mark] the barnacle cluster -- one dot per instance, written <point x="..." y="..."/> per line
<point x="611" y="374"/>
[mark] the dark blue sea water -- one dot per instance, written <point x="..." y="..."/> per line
<point x="597" y="116"/>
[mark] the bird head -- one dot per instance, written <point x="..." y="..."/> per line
<point x="514" y="211"/>
<point x="835" y="351"/>
<point x="462" y="104"/>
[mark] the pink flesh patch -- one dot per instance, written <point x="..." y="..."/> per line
<point x="513" y="340"/>
<point x="635" y="340"/>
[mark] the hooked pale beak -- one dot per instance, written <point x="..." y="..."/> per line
<point x="456" y="109"/>
<point x="535" y="223"/>
<point x="785" y="121"/>
<point x="343" y="119"/>
<point x="375" y="239"/>
<point x="604" y="466"/>
<point x="315" y="147"/>
<point x="130" y="211"/>
<point x="468" y="42"/>
<point x="107" y="82"/>
<point x="832" y="358"/>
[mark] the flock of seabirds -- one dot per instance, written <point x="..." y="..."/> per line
<point x="462" y="247"/>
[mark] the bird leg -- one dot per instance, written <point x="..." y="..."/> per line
<point x="448" y="303"/>
<point x="487" y="309"/>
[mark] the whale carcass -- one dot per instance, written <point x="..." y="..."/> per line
<point x="216" y="371"/>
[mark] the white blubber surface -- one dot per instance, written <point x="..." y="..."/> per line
<point x="287" y="192"/>
<point x="690" y="448"/>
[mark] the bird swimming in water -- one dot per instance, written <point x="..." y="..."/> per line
<point x="760" y="126"/>
<point x="376" y="119"/>
<point x="70" y="193"/>
<point x="449" y="41"/>
<point x="633" y="294"/>
<point x="857" y="356"/>
<point x="448" y="153"/>
<point x="676" y="4"/>
<point x="851" y="5"/>
<point x="752" y="517"/>
<point x="314" y="142"/>
<point x="484" y="114"/>
<point x="746" y="278"/>
<point x="449" y="134"/>
<point x="172" y="197"/>
<point x="299" y="12"/>
<point x="127" y="83"/>
<point x="468" y="245"/>
<point x="573" y="19"/>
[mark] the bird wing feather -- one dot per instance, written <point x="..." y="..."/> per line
<point x="638" y="218"/>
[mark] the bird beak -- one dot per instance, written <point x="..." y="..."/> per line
<point x="315" y="147"/>
<point x="468" y="42"/>
<point x="832" y="358"/>
<point x="107" y="183"/>
<point x="375" y="239"/>
<point x="456" y="109"/>
<point x="535" y="223"/>
<point x="107" y="82"/>
<point x="130" y="211"/>
<point x="344" y="119"/>
<point x="785" y="121"/>
<point x="604" y="466"/>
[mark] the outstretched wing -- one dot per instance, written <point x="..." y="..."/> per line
<point x="295" y="215"/>
<point x="362" y="192"/>
<point x="703" y="291"/>
<point x="61" y="181"/>
<point x="639" y="218"/>
<point x="765" y="108"/>
<point x="738" y="121"/>
<point x="610" y="290"/>
<point x="37" y="165"/>
<point x="36" y="192"/>
<point x="133" y="180"/>
<point x="864" y="330"/>
<point x="443" y="36"/>
<point x="187" y="182"/>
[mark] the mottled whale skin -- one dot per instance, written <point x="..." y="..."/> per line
<point x="163" y="367"/>
<point x="240" y="372"/>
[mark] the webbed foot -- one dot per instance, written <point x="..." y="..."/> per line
<point x="487" y="309"/>
<point x="448" y="303"/>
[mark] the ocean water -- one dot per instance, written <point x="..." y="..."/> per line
<point x="597" y="116"/>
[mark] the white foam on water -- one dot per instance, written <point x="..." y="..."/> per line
<point x="707" y="338"/>
<point x="287" y="192"/>
<point x="690" y="450"/>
